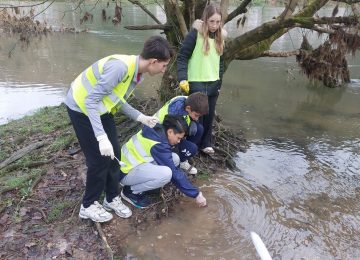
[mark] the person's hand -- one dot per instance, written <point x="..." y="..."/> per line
<point x="184" y="86"/>
<point x="150" y="121"/>
<point x="105" y="147"/>
<point x="200" y="200"/>
<point x="192" y="128"/>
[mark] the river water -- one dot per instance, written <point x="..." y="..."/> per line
<point x="298" y="185"/>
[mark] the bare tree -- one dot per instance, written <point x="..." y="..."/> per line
<point x="326" y="63"/>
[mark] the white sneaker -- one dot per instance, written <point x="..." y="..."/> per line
<point x="185" y="165"/>
<point x="95" y="212"/>
<point x="116" y="205"/>
<point x="208" y="150"/>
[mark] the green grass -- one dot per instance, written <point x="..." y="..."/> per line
<point x="57" y="210"/>
<point x="21" y="180"/>
<point x="45" y="120"/>
<point x="61" y="142"/>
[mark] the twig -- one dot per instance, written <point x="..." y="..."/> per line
<point x="32" y="5"/>
<point x="77" y="205"/>
<point x="103" y="238"/>
<point x="135" y="2"/>
<point x="42" y="213"/>
<point x="37" y="180"/>
<point x="43" y="10"/>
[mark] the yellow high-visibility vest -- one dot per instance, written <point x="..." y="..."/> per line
<point x="136" y="151"/>
<point x="201" y="67"/>
<point x="162" y="112"/>
<point x="86" y="81"/>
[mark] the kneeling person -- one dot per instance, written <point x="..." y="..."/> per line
<point x="149" y="162"/>
<point x="191" y="108"/>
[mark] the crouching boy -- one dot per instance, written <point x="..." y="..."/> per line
<point x="191" y="108"/>
<point x="149" y="162"/>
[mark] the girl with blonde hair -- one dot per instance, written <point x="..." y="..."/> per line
<point x="200" y="65"/>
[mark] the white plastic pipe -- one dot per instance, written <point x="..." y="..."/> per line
<point x="260" y="246"/>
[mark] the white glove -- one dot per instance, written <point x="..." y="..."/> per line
<point x="105" y="147"/>
<point x="150" y="121"/>
<point x="200" y="200"/>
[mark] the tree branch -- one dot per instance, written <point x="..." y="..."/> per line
<point x="239" y="10"/>
<point x="180" y="18"/>
<point x="135" y="2"/>
<point x="32" y="5"/>
<point x="349" y="2"/>
<point x="355" y="9"/>
<point x="148" y="27"/>
<point x="224" y="5"/>
<point x="267" y="31"/>
<point x="279" y="54"/>
<point x="190" y="6"/>
<point x="290" y="8"/>
<point x="43" y="10"/>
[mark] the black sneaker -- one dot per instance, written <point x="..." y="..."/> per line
<point x="139" y="201"/>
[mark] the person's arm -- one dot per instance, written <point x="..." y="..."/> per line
<point x="163" y="156"/>
<point x="113" y="73"/>
<point x="185" y="53"/>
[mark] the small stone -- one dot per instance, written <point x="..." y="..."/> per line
<point x="160" y="237"/>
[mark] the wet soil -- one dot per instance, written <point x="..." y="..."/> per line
<point x="41" y="188"/>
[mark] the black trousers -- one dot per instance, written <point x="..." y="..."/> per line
<point x="211" y="89"/>
<point x="102" y="173"/>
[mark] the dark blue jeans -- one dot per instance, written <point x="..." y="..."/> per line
<point x="211" y="89"/>
<point x="189" y="147"/>
<point x="102" y="173"/>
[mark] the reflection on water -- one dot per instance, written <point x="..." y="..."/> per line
<point x="299" y="182"/>
<point x="18" y="99"/>
<point x="289" y="193"/>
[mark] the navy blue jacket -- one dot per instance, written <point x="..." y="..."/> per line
<point x="177" y="107"/>
<point x="162" y="154"/>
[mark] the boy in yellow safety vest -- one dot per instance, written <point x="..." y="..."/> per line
<point x="191" y="108"/>
<point x="150" y="163"/>
<point x="93" y="98"/>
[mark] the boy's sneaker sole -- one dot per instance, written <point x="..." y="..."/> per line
<point x="131" y="202"/>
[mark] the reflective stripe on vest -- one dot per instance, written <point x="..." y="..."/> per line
<point x="86" y="81"/>
<point x="162" y="112"/>
<point x="201" y="67"/>
<point x="136" y="151"/>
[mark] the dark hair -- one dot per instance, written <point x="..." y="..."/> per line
<point x="198" y="102"/>
<point x="175" y="122"/>
<point x="156" y="47"/>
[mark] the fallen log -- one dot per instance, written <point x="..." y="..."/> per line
<point x="21" y="153"/>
